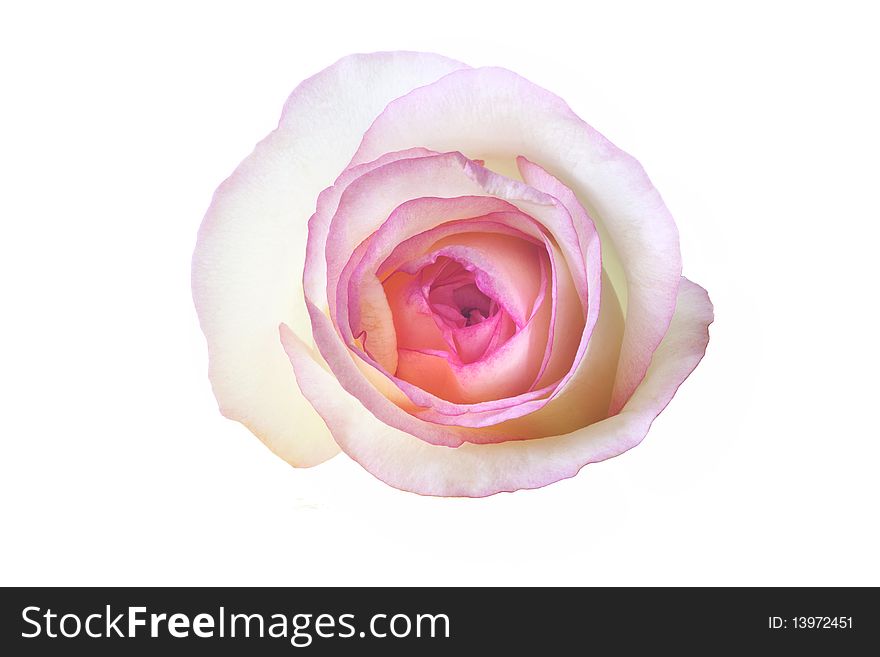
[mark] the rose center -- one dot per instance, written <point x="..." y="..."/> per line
<point x="455" y="298"/>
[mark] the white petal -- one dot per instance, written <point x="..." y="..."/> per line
<point x="248" y="263"/>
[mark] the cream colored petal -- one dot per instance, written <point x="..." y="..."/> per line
<point x="248" y="262"/>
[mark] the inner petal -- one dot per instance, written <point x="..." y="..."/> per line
<point x="468" y="308"/>
<point x="455" y="297"/>
<point x="474" y="305"/>
<point x="479" y="289"/>
<point x="455" y="329"/>
<point x="519" y="239"/>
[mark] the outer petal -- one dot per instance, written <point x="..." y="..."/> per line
<point x="479" y="470"/>
<point x="495" y="114"/>
<point x="248" y="260"/>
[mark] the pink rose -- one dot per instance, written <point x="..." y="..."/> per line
<point x="487" y="296"/>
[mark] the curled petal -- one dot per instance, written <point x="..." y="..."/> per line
<point x="315" y="266"/>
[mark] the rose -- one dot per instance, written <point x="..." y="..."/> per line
<point x="464" y="326"/>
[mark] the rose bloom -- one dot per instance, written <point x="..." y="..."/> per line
<point x="446" y="273"/>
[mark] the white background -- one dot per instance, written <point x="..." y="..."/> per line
<point x="757" y="123"/>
